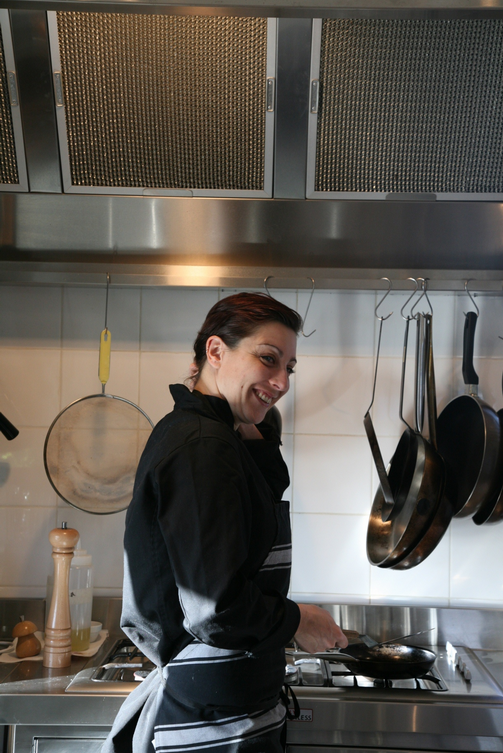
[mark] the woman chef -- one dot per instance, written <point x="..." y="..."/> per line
<point x="208" y="549"/>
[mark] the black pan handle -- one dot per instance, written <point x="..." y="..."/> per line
<point x="469" y="374"/>
<point x="8" y="430"/>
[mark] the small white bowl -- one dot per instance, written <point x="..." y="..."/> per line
<point x="95" y="630"/>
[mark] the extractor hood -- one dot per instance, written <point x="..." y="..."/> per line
<point x="218" y="144"/>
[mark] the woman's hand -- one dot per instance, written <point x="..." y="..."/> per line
<point x="317" y="630"/>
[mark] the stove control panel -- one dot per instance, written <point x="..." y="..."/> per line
<point x="454" y="657"/>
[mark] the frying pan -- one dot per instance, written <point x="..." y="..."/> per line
<point x="416" y="477"/>
<point x="390" y="662"/>
<point x="93" y="446"/>
<point x="491" y="511"/>
<point x="430" y="536"/>
<point x="469" y="435"/>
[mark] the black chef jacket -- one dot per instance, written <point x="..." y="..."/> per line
<point x="200" y="526"/>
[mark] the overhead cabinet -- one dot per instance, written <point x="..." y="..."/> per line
<point x="13" y="175"/>
<point x="164" y="105"/>
<point x="406" y="108"/>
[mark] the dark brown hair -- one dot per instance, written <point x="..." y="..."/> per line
<point x="238" y="316"/>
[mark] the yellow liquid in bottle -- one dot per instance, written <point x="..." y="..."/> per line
<point x="80" y="639"/>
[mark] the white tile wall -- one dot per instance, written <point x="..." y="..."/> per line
<point x="49" y="357"/>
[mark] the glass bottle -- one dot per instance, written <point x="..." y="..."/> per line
<point x="81" y="598"/>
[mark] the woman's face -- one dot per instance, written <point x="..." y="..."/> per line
<point x="255" y="374"/>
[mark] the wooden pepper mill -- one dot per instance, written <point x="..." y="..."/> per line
<point x="58" y="630"/>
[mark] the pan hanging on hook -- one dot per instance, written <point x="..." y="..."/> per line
<point x="270" y="277"/>
<point x="93" y="446"/>
<point x="469" y="435"/>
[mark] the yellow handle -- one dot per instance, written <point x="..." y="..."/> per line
<point x="104" y="366"/>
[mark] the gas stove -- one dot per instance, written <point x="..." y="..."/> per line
<point x="458" y="706"/>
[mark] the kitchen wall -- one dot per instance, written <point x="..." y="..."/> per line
<point x="49" y="356"/>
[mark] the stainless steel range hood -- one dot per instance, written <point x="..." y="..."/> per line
<point x="49" y="236"/>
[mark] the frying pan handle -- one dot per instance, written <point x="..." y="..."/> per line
<point x="431" y="388"/>
<point x="389" y="501"/>
<point x="420" y="373"/>
<point x="469" y="374"/>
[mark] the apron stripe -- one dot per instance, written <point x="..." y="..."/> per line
<point x="278" y="557"/>
<point x="200" y="653"/>
<point x="177" y="738"/>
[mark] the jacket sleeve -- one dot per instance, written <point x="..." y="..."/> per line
<point x="204" y="511"/>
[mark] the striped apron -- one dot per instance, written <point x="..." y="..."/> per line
<point x="224" y="701"/>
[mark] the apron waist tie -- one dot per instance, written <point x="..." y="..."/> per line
<point x="285" y="696"/>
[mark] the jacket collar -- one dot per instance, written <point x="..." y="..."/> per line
<point x="205" y="405"/>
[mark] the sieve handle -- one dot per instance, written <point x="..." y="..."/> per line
<point x="104" y="364"/>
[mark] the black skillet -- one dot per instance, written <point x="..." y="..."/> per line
<point x="392" y="661"/>
<point x="491" y="511"/>
<point x="469" y="435"/>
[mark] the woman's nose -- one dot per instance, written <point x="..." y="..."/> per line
<point x="281" y="381"/>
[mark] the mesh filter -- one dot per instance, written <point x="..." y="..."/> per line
<point x="92" y="451"/>
<point x="8" y="161"/>
<point x="164" y="101"/>
<point x="411" y="106"/>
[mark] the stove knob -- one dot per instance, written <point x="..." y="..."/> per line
<point x="467" y="675"/>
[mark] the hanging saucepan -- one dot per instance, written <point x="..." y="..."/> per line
<point x="491" y="511"/>
<point x="416" y="476"/>
<point x="392" y="661"/>
<point x="469" y="438"/>
<point x="93" y="446"/>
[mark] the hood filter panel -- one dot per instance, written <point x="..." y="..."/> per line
<point x="410" y="106"/>
<point x="168" y="102"/>
<point x="8" y="160"/>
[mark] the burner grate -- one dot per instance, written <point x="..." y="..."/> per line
<point x="340" y="678"/>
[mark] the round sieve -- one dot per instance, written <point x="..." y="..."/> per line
<point x="93" y="446"/>
<point x="92" y="450"/>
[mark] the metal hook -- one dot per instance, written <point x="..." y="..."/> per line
<point x="390" y="286"/>
<point x="472" y="299"/>
<point x="307" y="310"/>
<point x="424" y="287"/>
<point x="408" y="318"/>
<point x="269" y="277"/>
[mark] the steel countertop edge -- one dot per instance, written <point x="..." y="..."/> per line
<point x="41" y="697"/>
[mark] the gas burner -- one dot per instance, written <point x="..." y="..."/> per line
<point x="315" y="672"/>
<point x="346" y="679"/>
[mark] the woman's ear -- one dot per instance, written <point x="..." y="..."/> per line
<point x="215" y="348"/>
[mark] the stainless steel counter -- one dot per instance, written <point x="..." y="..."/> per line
<point x="33" y="694"/>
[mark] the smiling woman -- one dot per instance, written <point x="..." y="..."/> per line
<point x="208" y="548"/>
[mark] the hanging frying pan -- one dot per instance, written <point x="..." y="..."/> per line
<point x="491" y="511"/>
<point x="416" y="475"/>
<point x="469" y="435"/>
<point x="430" y="536"/>
<point x="93" y="446"/>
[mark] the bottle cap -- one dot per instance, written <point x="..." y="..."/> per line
<point x="81" y="558"/>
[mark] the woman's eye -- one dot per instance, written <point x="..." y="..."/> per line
<point x="290" y="370"/>
<point x="268" y="359"/>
